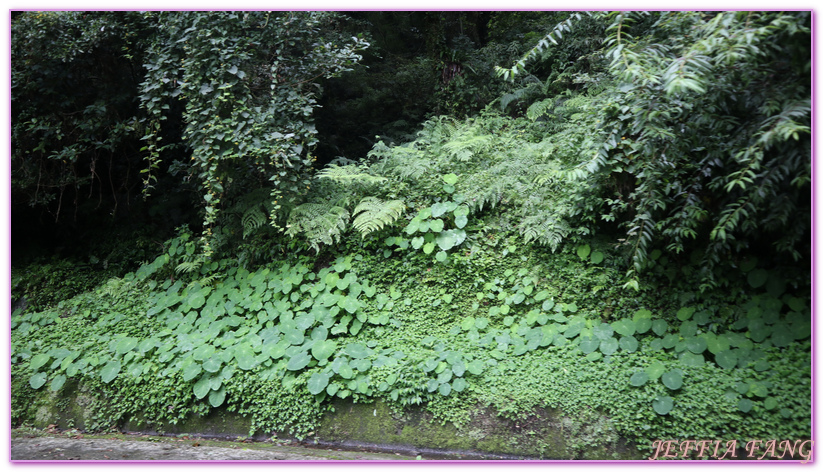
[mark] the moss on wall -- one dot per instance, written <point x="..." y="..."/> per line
<point x="545" y="434"/>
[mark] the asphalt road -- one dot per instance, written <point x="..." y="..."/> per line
<point x="121" y="447"/>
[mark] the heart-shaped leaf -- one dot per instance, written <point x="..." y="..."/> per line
<point x="638" y="379"/>
<point x="298" y="361"/>
<point x="39" y="361"/>
<point x="655" y="370"/>
<point x="589" y="344"/>
<point x="37" y="380"/>
<point x="191" y="371"/>
<point x="663" y="405"/>
<point x="317" y="383"/>
<point x="673" y="379"/>
<point x="628" y="343"/>
<point x="217" y="397"/>
<point x="323" y="350"/>
<point x="608" y="346"/>
<point x="245" y="356"/>
<point x="110" y="371"/>
<point x="57" y="383"/>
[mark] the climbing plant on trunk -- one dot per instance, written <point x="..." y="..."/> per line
<point x="247" y="82"/>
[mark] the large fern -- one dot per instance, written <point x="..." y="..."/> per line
<point x="372" y="214"/>
<point x="252" y="219"/>
<point x="348" y="174"/>
<point x="320" y="223"/>
<point x="545" y="228"/>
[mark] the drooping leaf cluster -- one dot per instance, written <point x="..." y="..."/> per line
<point x="248" y="82"/>
<point x="74" y="76"/>
<point x="705" y="137"/>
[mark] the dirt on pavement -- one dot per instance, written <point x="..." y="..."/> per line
<point x="28" y="446"/>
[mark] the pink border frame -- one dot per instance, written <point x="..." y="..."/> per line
<point x="815" y="303"/>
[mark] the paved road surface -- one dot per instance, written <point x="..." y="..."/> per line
<point x="144" y="448"/>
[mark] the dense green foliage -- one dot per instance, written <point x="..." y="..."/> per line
<point x="619" y="229"/>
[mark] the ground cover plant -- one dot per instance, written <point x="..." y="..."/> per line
<point x="623" y="239"/>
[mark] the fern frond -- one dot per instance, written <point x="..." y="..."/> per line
<point x="348" y="174"/>
<point x="320" y="223"/>
<point x="209" y="280"/>
<point x="463" y="146"/>
<point x="188" y="266"/>
<point x="538" y="109"/>
<point x="252" y="219"/>
<point x="545" y="229"/>
<point x="372" y="214"/>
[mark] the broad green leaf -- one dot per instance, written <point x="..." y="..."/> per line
<point x="594" y="356"/>
<point x="638" y="379"/>
<point x="655" y="370"/>
<point x="673" y="379"/>
<point x="690" y="359"/>
<point x="628" y="343"/>
<point x="357" y="350"/>
<point x="39" y="361"/>
<point x="663" y="405"/>
<point x="428" y="248"/>
<point x="745" y="405"/>
<point x="438" y="209"/>
<point x="643" y="325"/>
<point x="660" y="327"/>
<point x="450" y="179"/>
<point x="125" y="345"/>
<point x="758" y="389"/>
<point x="349" y="304"/>
<point x="203" y="352"/>
<point x="696" y="344"/>
<point x="346" y="371"/>
<point x="459" y="384"/>
<point x="624" y="327"/>
<point x="323" y="350"/>
<point x="781" y="336"/>
<point x="451" y="238"/>
<point x="584" y="251"/>
<point x="412" y="227"/>
<point x="717" y="343"/>
<point x="603" y="331"/>
<point x="212" y="364"/>
<point x="110" y="371"/>
<point x="441" y="256"/>
<point x="597" y="257"/>
<point x="197" y="300"/>
<point x="299" y="361"/>
<point x="589" y="344"/>
<point x="57" y="383"/>
<point x="608" y="346"/>
<point x="467" y="323"/>
<point x="191" y="371"/>
<point x="37" y="380"/>
<point x="757" y="277"/>
<point x="217" y="397"/>
<point x="670" y="340"/>
<point x="476" y="367"/>
<point x="245" y="356"/>
<point x="685" y="313"/>
<point x="317" y="383"/>
<point x="445" y="389"/>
